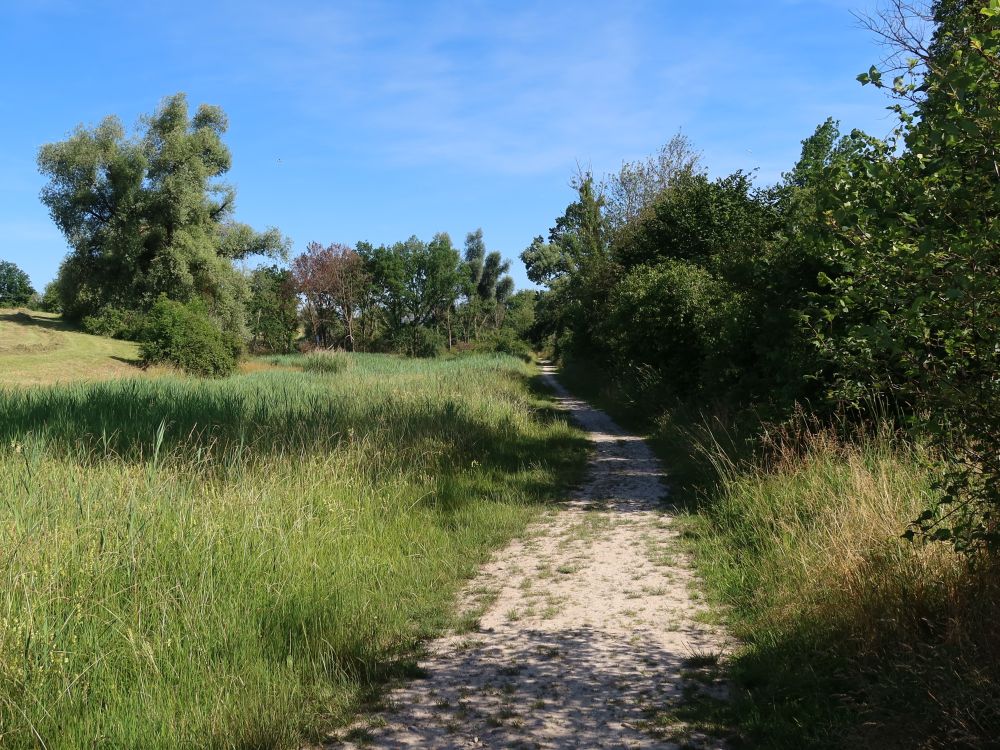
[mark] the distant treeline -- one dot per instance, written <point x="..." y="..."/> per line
<point x="154" y="251"/>
<point x="867" y="279"/>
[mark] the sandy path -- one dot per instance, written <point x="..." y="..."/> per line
<point x="589" y="635"/>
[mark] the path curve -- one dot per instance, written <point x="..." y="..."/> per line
<point x="590" y="634"/>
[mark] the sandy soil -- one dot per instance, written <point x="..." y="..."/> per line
<point x="591" y="633"/>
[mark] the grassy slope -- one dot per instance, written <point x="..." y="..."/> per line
<point x="237" y="563"/>
<point x="851" y="637"/>
<point x="38" y="348"/>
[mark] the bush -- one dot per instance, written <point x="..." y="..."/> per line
<point x="114" y="322"/>
<point x="504" y="341"/>
<point x="679" y="320"/>
<point x="418" y="341"/>
<point x="183" y="335"/>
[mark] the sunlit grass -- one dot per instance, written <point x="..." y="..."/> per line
<point x="235" y="563"/>
<point x="38" y="348"/>
<point x="851" y="636"/>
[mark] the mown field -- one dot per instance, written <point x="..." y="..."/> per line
<point x="37" y="348"/>
<point x="237" y="563"/>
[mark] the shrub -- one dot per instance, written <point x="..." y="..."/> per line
<point x="679" y="319"/>
<point x="114" y="322"/>
<point x="504" y="341"/>
<point x="326" y="362"/>
<point x="418" y="341"/>
<point x="183" y="335"/>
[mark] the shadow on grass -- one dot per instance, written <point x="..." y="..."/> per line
<point x="273" y="413"/>
<point x="132" y="361"/>
<point x="27" y="319"/>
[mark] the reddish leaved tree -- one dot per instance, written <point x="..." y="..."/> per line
<point x="336" y="286"/>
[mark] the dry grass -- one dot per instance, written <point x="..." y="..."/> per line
<point x="854" y="637"/>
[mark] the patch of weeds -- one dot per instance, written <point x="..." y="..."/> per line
<point x="359" y="735"/>
<point x="702" y="660"/>
<point x="708" y="616"/>
<point x="551" y="610"/>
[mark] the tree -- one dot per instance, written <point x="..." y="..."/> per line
<point x="15" y="286"/>
<point x="416" y="283"/>
<point x="273" y="309"/>
<point x="146" y="216"/>
<point x="576" y="265"/>
<point x="337" y="286"/>
<point x="487" y="287"/>
<point x="637" y="184"/>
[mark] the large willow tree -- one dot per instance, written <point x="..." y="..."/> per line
<point x="147" y="216"/>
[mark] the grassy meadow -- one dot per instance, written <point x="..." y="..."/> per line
<point x="38" y="348"/>
<point x="238" y="563"/>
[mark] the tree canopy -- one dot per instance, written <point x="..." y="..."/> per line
<point x="147" y="216"/>
<point x="15" y="286"/>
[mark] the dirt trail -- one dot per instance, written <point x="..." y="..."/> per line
<point x="590" y="635"/>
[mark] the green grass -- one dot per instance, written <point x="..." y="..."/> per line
<point x="853" y="637"/>
<point x="240" y="563"/>
<point x="37" y="348"/>
<point x="330" y="362"/>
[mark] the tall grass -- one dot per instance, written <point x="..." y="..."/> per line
<point x="852" y="636"/>
<point x="237" y="563"/>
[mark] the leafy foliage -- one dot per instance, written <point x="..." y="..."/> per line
<point x="336" y="286"/>
<point x="869" y="275"/>
<point x="114" y="322"/>
<point x="146" y="216"/>
<point x="915" y="312"/>
<point x="15" y="286"/>
<point x="412" y="297"/>
<point x="273" y="310"/>
<point x="182" y="334"/>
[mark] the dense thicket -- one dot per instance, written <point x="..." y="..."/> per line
<point x="869" y="274"/>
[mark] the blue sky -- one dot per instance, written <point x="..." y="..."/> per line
<point x="378" y="120"/>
